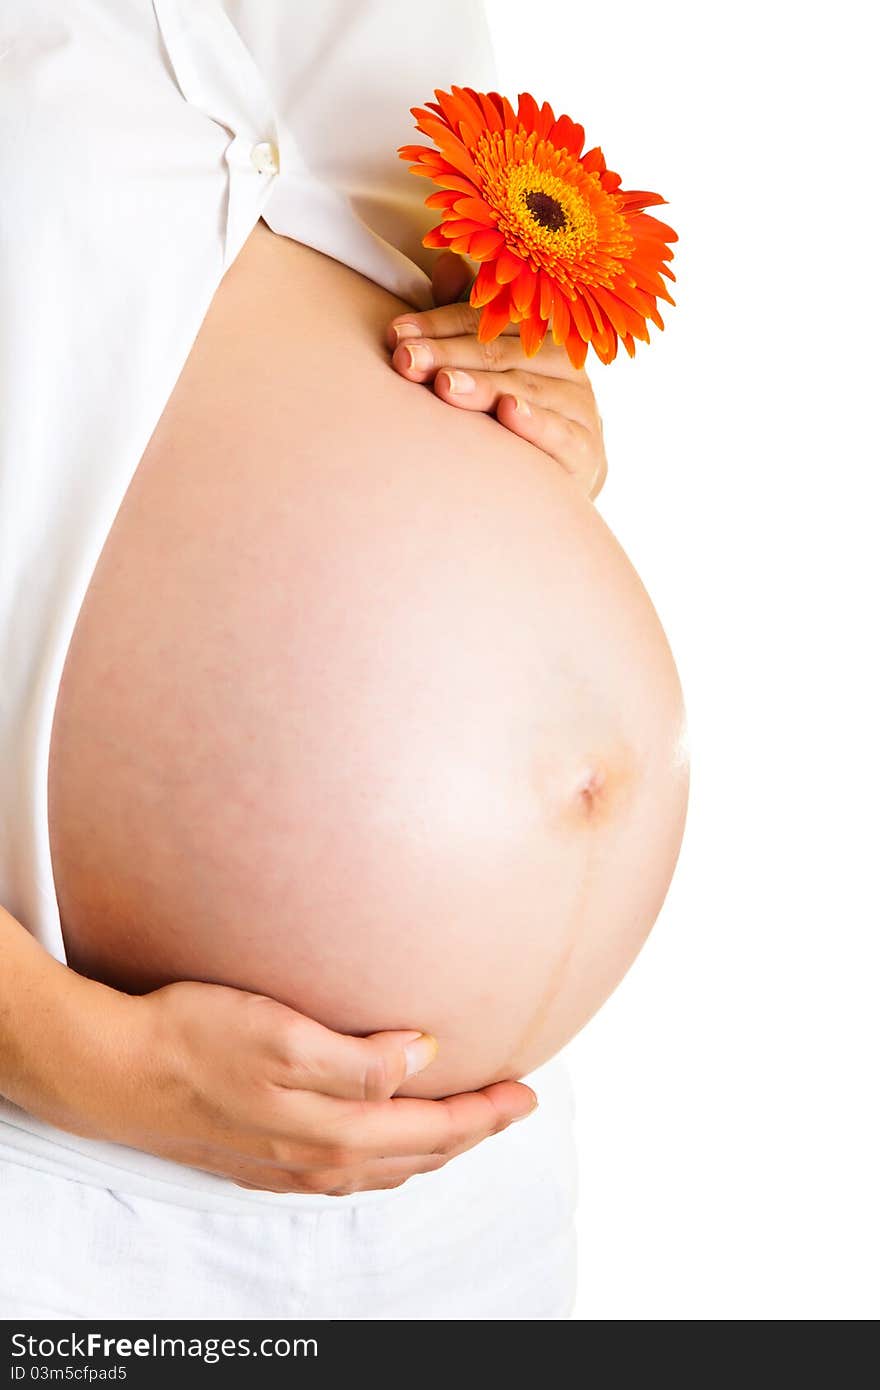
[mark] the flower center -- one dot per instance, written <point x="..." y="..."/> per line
<point x="544" y="209"/>
<point x="550" y="211"/>
<point x="544" y="212"/>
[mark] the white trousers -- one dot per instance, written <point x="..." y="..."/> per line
<point x="490" y="1236"/>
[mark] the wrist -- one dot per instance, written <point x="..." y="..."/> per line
<point x="68" y="1045"/>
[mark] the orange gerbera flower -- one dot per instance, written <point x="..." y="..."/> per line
<point x="557" y="237"/>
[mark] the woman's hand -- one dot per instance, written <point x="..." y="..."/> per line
<point x="544" y="399"/>
<point x="259" y="1093"/>
<point x="227" y="1081"/>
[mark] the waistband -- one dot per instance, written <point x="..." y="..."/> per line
<point x="30" y="1143"/>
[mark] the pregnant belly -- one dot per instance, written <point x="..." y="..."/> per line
<point x="365" y="709"/>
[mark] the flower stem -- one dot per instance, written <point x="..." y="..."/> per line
<point x="464" y="297"/>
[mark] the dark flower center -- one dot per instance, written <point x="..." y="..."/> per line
<point x="545" y="210"/>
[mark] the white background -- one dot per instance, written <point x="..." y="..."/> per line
<point x="727" y="1093"/>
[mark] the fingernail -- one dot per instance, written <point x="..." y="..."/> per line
<point x="421" y="1053"/>
<point x="405" y="330"/>
<point x="531" y="1110"/>
<point x="461" y="383"/>
<point x="420" y="357"/>
<point x="521" y="407"/>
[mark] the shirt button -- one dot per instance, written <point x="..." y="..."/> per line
<point x="264" y="158"/>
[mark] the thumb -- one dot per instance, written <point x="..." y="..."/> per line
<point x="371" y="1068"/>
<point x="450" y="277"/>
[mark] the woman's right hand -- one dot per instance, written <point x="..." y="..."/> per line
<point x="230" y="1082"/>
<point x="252" y="1090"/>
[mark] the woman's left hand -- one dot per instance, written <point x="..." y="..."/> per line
<point x="543" y="399"/>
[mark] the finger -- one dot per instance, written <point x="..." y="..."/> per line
<point x="575" y="447"/>
<point x="446" y="321"/>
<point x="341" y="1182"/>
<point x="420" y="358"/>
<point x="315" y="1058"/>
<point x="559" y="417"/>
<point x="406" y="1127"/>
<point x="476" y="390"/>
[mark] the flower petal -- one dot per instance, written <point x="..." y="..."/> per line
<point x="527" y="111"/>
<point x="561" y="318"/>
<point x="568" y="136"/>
<point x="485" y="287"/>
<point x="444" y="199"/>
<point x="494" y="318"/>
<point x="485" y="244"/>
<point x="545" y="288"/>
<point x="650" y="227"/>
<point x="449" y="107"/>
<point x="623" y="319"/>
<point x="634" y="201"/>
<point x="545" y="121"/>
<point x="582" y="319"/>
<point x="451" y="147"/>
<point x="476" y="208"/>
<point x="508" y="115"/>
<point x="593" y="161"/>
<point x="470" y="106"/>
<point x="491" y="114"/>
<point x="645" y="305"/>
<point x="576" y="349"/>
<point x="415" y="151"/>
<point x="605" y="342"/>
<point x="470" y="134"/>
<point x="448" y="178"/>
<point x="648" y="280"/>
<point x="531" y="334"/>
<point x="508" y="267"/>
<point x="461" y="226"/>
<point x="524" y="289"/>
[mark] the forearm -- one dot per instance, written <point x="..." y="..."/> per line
<point x="53" y="1025"/>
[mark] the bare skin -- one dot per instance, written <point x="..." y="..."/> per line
<point x="365" y="710"/>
